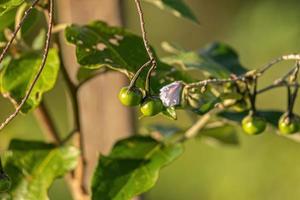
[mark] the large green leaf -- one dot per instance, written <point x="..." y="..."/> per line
<point x="6" y="5"/>
<point x="131" y="168"/>
<point x="99" y="45"/>
<point x="33" y="166"/>
<point x="176" y="7"/>
<point x="217" y="60"/>
<point x="19" y="73"/>
<point x="225" y="56"/>
<point x="192" y="60"/>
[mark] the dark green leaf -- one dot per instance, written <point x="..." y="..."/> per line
<point x="33" y="170"/>
<point x="131" y="168"/>
<point x="19" y="73"/>
<point x="98" y="45"/>
<point x="176" y="7"/>
<point x="86" y="73"/>
<point x="225" y="56"/>
<point x="190" y="60"/>
<point x="271" y="116"/>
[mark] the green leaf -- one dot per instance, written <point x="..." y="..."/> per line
<point x="226" y="134"/>
<point x="33" y="166"/>
<point x="131" y="168"/>
<point x="271" y="116"/>
<point x="86" y="73"/>
<point x="225" y="56"/>
<point x="19" y="73"/>
<point x="7" y="5"/>
<point x="7" y="19"/>
<point x="99" y="45"/>
<point x="191" y="60"/>
<point x="176" y="7"/>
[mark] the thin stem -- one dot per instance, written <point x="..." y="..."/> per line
<point x="46" y="121"/>
<point x="289" y="99"/>
<point x="277" y="60"/>
<point x="143" y="29"/>
<point x="137" y="74"/>
<point x="148" y="80"/>
<point x="45" y="55"/>
<point x="17" y="29"/>
<point x="215" y="81"/>
<point x="202" y="122"/>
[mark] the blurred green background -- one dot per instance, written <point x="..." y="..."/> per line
<point x="264" y="167"/>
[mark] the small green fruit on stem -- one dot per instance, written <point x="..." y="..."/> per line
<point x="130" y="97"/>
<point x="288" y="124"/>
<point x="253" y="125"/>
<point x="151" y="106"/>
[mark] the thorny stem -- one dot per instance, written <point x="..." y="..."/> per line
<point x="17" y="29"/>
<point x="45" y="55"/>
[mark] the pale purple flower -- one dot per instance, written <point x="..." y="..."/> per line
<point x="170" y="94"/>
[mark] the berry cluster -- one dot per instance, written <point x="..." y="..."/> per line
<point x="149" y="105"/>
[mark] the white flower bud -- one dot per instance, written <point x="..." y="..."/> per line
<point x="170" y="94"/>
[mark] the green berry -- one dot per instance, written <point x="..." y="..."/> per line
<point x="253" y="125"/>
<point x="132" y="97"/>
<point x="151" y="106"/>
<point x="288" y="125"/>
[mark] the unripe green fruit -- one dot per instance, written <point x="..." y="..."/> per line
<point x="288" y="125"/>
<point x="132" y="97"/>
<point x="253" y="125"/>
<point x="151" y="106"/>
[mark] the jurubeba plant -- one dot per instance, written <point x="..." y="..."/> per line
<point x="224" y="91"/>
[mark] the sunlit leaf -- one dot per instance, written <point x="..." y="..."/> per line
<point x="6" y="5"/>
<point x="176" y="7"/>
<point x="131" y="168"/>
<point x="19" y="73"/>
<point x="33" y="166"/>
<point x="98" y="45"/>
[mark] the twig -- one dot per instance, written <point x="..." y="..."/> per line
<point x="47" y="123"/>
<point x="45" y="55"/>
<point x="17" y="29"/>
<point x="277" y="60"/>
<point x="143" y="29"/>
